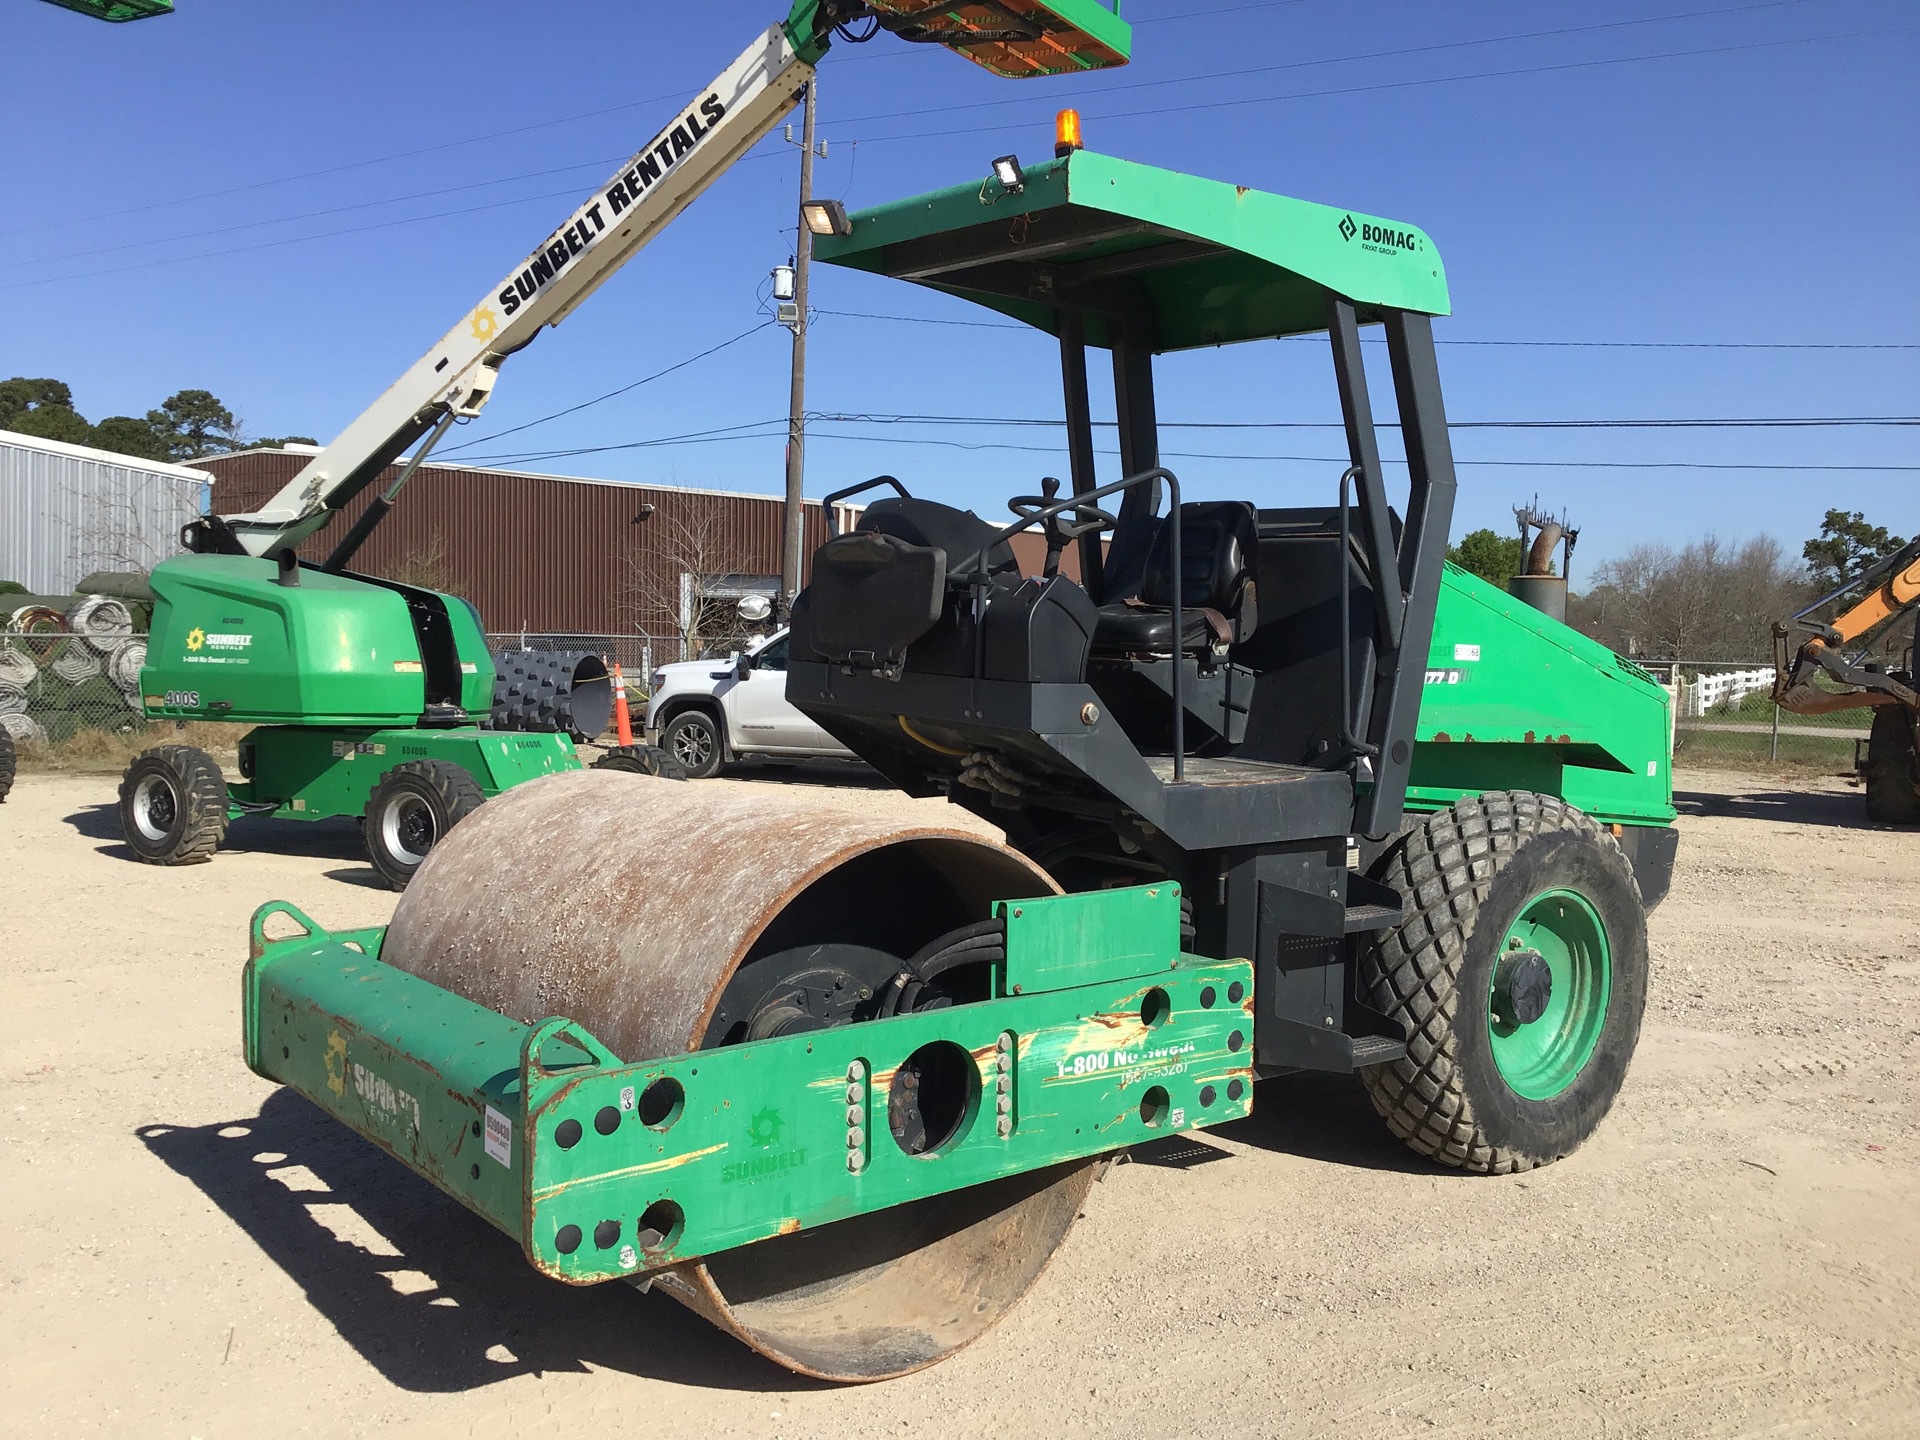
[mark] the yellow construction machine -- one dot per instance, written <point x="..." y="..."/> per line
<point x="1835" y="652"/>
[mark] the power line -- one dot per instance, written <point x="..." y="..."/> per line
<point x="336" y="169"/>
<point x="148" y="244"/>
<point x="1458" y="460"/>
<point x="1756" y="422"/>
<point x="584" y="404"/>
<point x="1442" y="340"/>
<point x="573" y="194"/>
<point x="775" y="428"/>
<point x="1431" y="80"/>
<point x="1214" y="77"/>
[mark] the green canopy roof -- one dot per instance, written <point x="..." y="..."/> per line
<point x="1195" y="262"/>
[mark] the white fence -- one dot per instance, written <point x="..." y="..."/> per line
<point x="1726" y="687"/>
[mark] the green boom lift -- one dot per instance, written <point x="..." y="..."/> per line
<point x="370" y="698"/>
<point x="1281" y="791"/>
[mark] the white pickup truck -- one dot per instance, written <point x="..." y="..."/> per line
<point x="707" y="712"/>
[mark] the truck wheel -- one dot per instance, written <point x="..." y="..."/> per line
<point x="693" y="738"/>
<point x="7" y="764"/>
<point x="1520" y="973"/>
<point x="1892" y="771"/>
<point x="173" y="806"/>
<point x="642" y="760"/>
<point x="410" y="809"/>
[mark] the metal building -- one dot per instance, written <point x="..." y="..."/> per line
<point x="67" y="511"/>
<point x="553" y="555"/>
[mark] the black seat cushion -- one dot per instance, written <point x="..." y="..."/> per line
<point x="1142" y="628"/>
<point x="959" y="533"/>
<point x="871" y="596"/>
<point x="1217" y="548"/>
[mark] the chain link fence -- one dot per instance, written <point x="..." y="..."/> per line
<point x="1724" y="717"/>
<point x="66" y="672"/>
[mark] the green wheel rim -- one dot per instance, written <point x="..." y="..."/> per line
<point x="1540" y="1059"/>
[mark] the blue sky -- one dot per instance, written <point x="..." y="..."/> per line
<point x="287" y="204"/>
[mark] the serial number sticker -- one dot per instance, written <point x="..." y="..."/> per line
<point x="499" y="1137"/>
<point x="1466" y="652"/>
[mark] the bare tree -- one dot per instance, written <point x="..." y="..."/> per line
<point x="1706" y="600"/>
<point x="680" y="550"/>
<point x="427" y="567"/>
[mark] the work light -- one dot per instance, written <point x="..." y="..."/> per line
<point x="826" y="217"/>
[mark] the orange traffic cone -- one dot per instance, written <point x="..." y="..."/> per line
<point x="622" y="717"/>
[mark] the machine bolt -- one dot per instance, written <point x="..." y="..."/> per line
<point x="1089" y="713"/>
<point x="1004" y="1084"/>
<point x="1004" y="1104"/>
<point x="854" y="1092"/>
<point x="855" y="1115"/>
<point x="856" y="1072"/>
<point x="1004" y="1043"/>
<point x="856" y="1137"/>
<point x="856" y="1162"/>
<point x="1005" y="1126"/>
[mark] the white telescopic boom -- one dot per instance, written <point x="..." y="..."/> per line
<point x="719" y="125"/>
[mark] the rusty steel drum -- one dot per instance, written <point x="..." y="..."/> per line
<point x="629" y="904"/>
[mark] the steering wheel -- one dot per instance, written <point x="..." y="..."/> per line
<point x="1087" y="517"/>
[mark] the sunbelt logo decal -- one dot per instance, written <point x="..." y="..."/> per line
<point x="222" y="646"/>
<point x="1381" y="239"/>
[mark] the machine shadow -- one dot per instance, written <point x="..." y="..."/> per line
<point x="1838" y="810"/>
<point x="1326" y="1118"/>
<point x="431" y="1296"/>
<point x="320" y="839"/>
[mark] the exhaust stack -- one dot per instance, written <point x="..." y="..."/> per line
<point x="1538" y="584"/>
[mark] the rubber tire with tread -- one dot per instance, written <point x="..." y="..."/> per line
<point x="641" y="760"/>
<point x="8" y="763"/>
<point x="199" y="798"/>
<point x="1464" y="876"/>
<point x="450" y="795"/>
<point x="1892" y="770"/>
<point x="680" y="724"/>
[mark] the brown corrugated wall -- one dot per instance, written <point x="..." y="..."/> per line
<point x="535" y="553"/>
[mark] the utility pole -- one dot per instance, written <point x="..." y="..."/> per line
<point x="795" y="510"/>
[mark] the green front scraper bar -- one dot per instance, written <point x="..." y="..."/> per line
<point x="1102" y="1035"/>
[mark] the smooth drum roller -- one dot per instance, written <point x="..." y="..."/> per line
<point x="674" y="918"/>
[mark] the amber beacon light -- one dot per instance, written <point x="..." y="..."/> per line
<point x="1066" y="132"/>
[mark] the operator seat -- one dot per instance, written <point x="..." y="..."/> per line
<point x="1218" y="542"/>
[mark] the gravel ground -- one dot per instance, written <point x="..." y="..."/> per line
<point x="190" y="1252"/>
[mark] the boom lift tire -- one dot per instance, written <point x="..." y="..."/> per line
<point x="1520" y="973"/>
<point x="693" y="738"/>
<point x="8" y="762"/>
<point x="642" y="760"/>
<point x="412" y="807"/>
<point x="173" y="806"/>
<point x="1892" y="771"/>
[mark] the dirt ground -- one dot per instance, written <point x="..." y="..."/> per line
<point x="189" y="1252"/>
